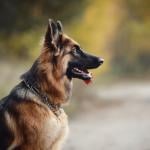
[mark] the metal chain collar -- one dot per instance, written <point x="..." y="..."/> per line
<point x="55" y="108"/>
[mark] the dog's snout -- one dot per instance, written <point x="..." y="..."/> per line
<point x="100" y="60"/>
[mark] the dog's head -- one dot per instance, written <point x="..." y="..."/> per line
<point x="66" y="55"/>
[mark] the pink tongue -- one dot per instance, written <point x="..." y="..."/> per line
<point x="88" y="81"/>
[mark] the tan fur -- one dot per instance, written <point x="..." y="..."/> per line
<point x="48" y="130"/>
<point x="13" y="127"/>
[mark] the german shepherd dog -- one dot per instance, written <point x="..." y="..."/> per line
<point x="31" y="116"/>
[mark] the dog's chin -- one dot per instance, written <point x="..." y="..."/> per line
<point x="79" y="73"/>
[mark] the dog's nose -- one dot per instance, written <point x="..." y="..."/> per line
<point x="100" y="60"/>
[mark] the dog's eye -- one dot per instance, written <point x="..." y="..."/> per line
<point x="75" y="51"/>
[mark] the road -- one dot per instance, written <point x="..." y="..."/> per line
<point x="120" y="122"/>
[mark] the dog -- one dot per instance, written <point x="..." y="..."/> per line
<point x="31" y="116"/>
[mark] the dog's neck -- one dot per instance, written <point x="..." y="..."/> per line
<point x="58" y="91"/>
<point x="42" y="96"/>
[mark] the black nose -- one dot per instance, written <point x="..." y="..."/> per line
<point x="100" y="60"/>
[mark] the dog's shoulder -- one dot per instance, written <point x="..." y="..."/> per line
<point x="26" y="118"/>
<point x="38" y="123"/>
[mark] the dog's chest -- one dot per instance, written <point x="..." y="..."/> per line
<point x="54" y="129"/>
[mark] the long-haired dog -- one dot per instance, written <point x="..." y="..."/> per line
<point x="31" y="117"/>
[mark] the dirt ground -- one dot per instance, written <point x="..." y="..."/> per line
<point x="121" y="122"/>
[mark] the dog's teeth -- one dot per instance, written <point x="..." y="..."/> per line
<point x="90" y="74"/>
<point x="76" y="69"/>
<point x="81" y="71"/>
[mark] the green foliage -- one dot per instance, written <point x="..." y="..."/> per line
<point x="131" y="46"/>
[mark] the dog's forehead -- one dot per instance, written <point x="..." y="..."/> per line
<point x="69" y="41"/>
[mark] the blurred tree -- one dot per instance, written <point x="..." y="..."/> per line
<point x="21" y="15"/>
<point x="131" y="46"/>
<point x="21" y="22"/>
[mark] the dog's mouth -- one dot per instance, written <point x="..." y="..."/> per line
<point x="80" y="73"/>
<point x="80" y="70"/>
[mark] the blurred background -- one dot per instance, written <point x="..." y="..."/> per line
<point x="112" y="113"/>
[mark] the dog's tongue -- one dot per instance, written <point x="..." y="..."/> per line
<point x="88" y="81"/>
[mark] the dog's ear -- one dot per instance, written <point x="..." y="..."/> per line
<point x="59" y="26"/>
<point x="52" y="37"/>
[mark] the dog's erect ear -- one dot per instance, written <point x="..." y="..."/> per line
<point x="52" y="37"/>
<point x="59" y="26"/>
